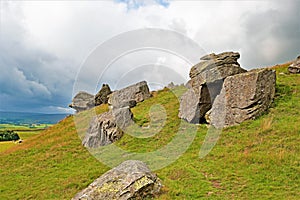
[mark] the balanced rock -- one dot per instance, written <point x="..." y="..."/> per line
<point x="243" y="96"/>
<point x="215" y="67"/>
<point x="107" y="127"/>
<point x="132" y="179"/>
<point x="194" y="104"/>
<point x="82" y="101"/>
<point x="137" y="92"/>
<point x="102" y="96"/>
<point x="294" y="68"/>
<point x="206" y="83"/>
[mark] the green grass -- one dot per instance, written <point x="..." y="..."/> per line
<point x="258" y="159"/>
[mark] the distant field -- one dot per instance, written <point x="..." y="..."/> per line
<point x="24" y="131"/>
<point x="23" y="127"/>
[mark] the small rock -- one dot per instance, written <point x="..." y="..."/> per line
<point x="132" y="179"/>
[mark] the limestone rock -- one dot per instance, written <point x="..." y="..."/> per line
<point x="82" y="101"/>
<point x="194" y="104"/>
<point x="130" y="104"/>
<point x="108" y="127"/>
<point x="102" y="96"/>
<point x="294" y="68"/>
<point x="132" y="179"/>
<point x="138" y="92"/>
<point x="215" y="67"/>
<point x="243" y="96"/>
<point x="123" y="117"/>
<point x="207" y="79"/>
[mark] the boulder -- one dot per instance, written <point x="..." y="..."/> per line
<point x="123" y="117"/>
<point x="137" y="92"/>
<point x="243" y="96"/>
<point x="132" y="179"/>
<point x="194" y="104"/>
<point x="107" y="127"/>
<point x="294" y="68"/>
<point x="130" y="104"/>
<point x="82" y="101"/>
<point x="215" y="67"/>
<point x="102" y="96"/>
<point x="206" y="83"/>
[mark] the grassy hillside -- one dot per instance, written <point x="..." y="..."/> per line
<point x="259" y="159"/>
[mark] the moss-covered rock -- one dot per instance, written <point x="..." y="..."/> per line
<point x="130" y="180"/>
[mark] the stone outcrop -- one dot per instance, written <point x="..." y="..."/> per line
<point x="102" y="96"/>
<point x="206" y="83"/>
<point x="137" y="92"/>
<point x="294" y="68"/>
<point x="194" y="104"/>
<point x="243" y="96"/>
<point x="215" y="67"/>
<point x="108" y="127"/>
<point x="130" y="180"/>
<point x="82" y="101"/>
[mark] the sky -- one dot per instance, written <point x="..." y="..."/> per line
<point x="47" y="47"/>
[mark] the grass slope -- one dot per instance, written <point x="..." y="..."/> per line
<point x="258" y="159"/>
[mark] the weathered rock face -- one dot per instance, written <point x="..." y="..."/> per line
<point x="102" y="96"/>
<point x="243" y="96"/>
<point x="130" y="180"/>
<point x="206" y="83"/>
<point x="194" y="104"/>
<point x="294" y="68"/>
<point x="108" y="127"/>
<point x="216" y="67"/>
<point x="137" y="92"/>
<point x="82" y="101"/>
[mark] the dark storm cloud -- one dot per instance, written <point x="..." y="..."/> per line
<point x="30" y="77"/>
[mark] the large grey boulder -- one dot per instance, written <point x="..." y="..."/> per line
<point x="137" y="92"/>
<point x="206" y="83"/>
<point x="194" y="104"/>
<point x="82" y="101"/>
<point x="294" y="68"/>
<point x="243" y="96"/>
<point x="215" y="67"/>
<point x="102" y="96"/>
<point x="132" y="179"/>
<point x="108" y="127"/>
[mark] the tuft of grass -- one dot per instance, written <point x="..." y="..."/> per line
<point x="258" y="159"/>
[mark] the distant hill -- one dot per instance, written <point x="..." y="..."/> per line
<point x="29" y="118"/>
